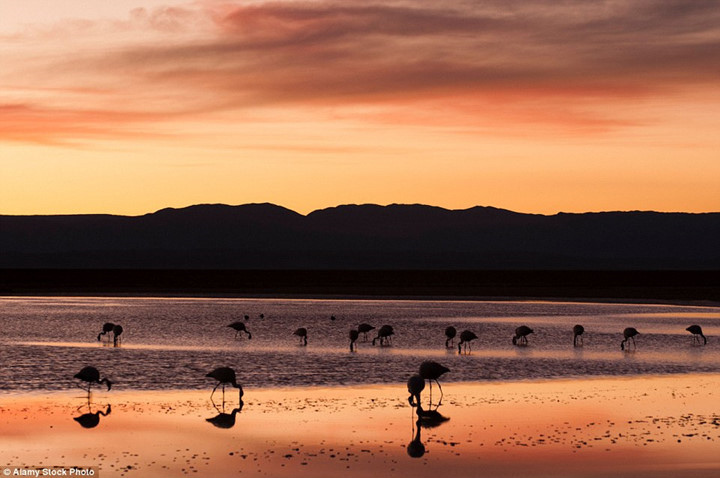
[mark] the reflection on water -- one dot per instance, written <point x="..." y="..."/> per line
<point x="172" y="343"/>
<point x="223" y="419"/>
<point x="91" y="419"/>
<point x="430" y="418"/>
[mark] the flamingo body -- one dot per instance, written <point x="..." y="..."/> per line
<point x="450" y="333"/>
<point x="384" y="335"/>
<point x="353" y="334"/>
<point x="465" y="338"/>
<point x="240" y="327"/>
<point x="697" y="332"/>
<point x="91" y="375"/>
<point x="629" y="333"/>
<point x="302" y="333"/>
<point x="578" y="330"/>
<point x="225" y="376"/>
<point x="521" y="334"/>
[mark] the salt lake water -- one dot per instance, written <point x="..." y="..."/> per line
<point x="171" y="343"/>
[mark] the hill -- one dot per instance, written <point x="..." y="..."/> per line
<point x="400" y="237"/>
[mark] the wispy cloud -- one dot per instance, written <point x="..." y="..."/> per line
<point x="500" y="62"/>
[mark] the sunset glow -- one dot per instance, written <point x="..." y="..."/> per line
<point x="531" y="106"/>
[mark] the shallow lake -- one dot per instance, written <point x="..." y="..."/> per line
<point x="171" y="343"/>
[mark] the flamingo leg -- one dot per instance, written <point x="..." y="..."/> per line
<point x="213" y="392"/>
<point x="441" y="392"/>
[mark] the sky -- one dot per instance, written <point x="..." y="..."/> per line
<point x="130" y="106"/>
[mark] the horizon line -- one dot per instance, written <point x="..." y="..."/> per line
<point x="366" y="204"/>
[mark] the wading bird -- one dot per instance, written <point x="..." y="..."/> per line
<point x="302" y="333"/>
<point x="696" y="330"/>
<point x="430" y="371"/>
<point x="225" y="376"/>
<point x="90" y="375"/>
<point x="240" y="327"/>
<point x="465" y="338"/>
<point x="578" y="330"/>
<point x="384" y="335"/>
<point x="107" y="328"/>
<point x="450" y="333"/>
<point x="364" y="329"/>
<point x="415" y="385"/>
<point x="629" y="333"/>
<point x="354" y="334"/>
<point x="521" y="334"/>
<point x="117" y="332"/>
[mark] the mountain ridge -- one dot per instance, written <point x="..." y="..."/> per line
<point x="362" y="236"/>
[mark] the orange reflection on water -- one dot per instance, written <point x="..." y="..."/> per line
<point x="638" y="426"/>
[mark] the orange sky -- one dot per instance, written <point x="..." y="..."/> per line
<point x="532" y="106"/>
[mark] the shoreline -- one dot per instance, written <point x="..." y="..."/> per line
<point x="588" y="428"/>
<point x="668" y="287"/>
<point x="340" y="298"/>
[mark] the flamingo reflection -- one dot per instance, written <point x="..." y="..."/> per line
<point x="90" y="419"/>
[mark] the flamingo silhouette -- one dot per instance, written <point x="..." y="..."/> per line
<point x="90" y="375"/>
<point x="354" y="334"/>
<point x="521" y="334"/>
<point x="696" y="330"/>
<point x="225" y="420"/>
<point x="364" y="329"/>
<point x="430" y="371"/>
<point x="450" y="333"/>
<point x="302" y="333"/>
<point x="384" y="335"/>
<point x="629" y="333"/>
<point x="425" y="419"/>
<point x="225" y="376"/>
<point x="578" y="331"/>
<point x="117" y="332"/>
<point x="240" y="327"/>
<point x="107" y="328"/>
<point x="465" y="338"/>
<point x="91" y="420"/>
<point x="415" y="385"/>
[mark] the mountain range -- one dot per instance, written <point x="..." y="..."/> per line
<point x="266" y="236"/>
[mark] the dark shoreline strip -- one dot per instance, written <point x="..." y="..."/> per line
<point x="667" y="286"/>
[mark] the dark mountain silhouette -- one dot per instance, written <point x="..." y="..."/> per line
<point x="265" y="236"/>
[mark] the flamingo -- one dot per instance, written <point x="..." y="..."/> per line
<point x="450" y="333"/>
<point x="384" y="334"/>
<point x="240" y="327"/>
<point x="521" y="334"/>
<point x="117" y="332"/>
<point x="302" y="333"/>
<point x="354" y="334"/>
<point x="364" y="329"/>
<point x="107" y="328"/>
<point x="91" y="375"/>
<point x="465" y="337"/>
<point x="629" y="333"/>
<point x="430" y="371"/>
<point x="696" y="330"/>
<point x="415" y="385"/>
<point x="225" y="376"/>
<point x="578" y="330"/>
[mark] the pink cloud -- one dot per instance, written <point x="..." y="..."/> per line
<point x="547" y="62"/>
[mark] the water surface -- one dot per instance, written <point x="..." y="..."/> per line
<point x="170" y="343"/>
